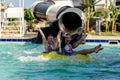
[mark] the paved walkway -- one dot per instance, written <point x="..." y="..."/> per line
<point x="31" y="35"/>
<point x="28" y="35"/>
<point x="97" y="37"/>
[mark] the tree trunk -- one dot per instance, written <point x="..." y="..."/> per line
<point x="107" y="26"/>
<point x="87" y="27"/>
<point x="113" y="26"/>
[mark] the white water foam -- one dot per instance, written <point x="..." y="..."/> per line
<point x="9" y="53"/>
<point x="28" y="52"/>
<point x="32" y="58"/>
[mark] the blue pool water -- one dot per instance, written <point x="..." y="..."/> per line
<point x="20" y="61"/>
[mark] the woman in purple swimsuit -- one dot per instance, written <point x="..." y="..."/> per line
<point x="67" y="49"/>
<point x="50" y="44"/>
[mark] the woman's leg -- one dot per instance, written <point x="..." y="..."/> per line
<point x="89" y="51"/>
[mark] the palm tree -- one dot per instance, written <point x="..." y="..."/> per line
<point x="114" y="15"/>
<point x="106" y="16"/>
<point x="88" y="11"/>
<point x="88" y="8"/>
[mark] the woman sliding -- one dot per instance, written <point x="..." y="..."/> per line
<point x="67" y="44"/>
<point x="67" y="47"/>
<point x="50" y="44"/>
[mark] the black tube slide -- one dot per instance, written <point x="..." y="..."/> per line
<point x="53" y="29"/>
<point x="71" y="18"/>
<point x="40" y="10"/>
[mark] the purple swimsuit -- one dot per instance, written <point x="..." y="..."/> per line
<point x="67" y="50"/>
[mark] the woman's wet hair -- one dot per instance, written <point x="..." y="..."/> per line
<point x="67" y="34"/>
<point x="49" y="35"/>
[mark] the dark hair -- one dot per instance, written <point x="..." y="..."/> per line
<point x="67" y="34"/>
<point x="50" y="35"/>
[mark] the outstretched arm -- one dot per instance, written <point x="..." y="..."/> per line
<point x="58" y="40"/>
<point x="77" y="37"/>
<point x="43" y="39"/>
<point x="77" y="43"/>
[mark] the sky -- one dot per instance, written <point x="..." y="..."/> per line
<point x="27" y="4"/>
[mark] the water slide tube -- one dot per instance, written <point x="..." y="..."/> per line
<point x="60" y="15"/>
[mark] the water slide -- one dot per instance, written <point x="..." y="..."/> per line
<point x="60" y="14"/>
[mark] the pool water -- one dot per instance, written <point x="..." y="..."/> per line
<point x="20" y="61"/>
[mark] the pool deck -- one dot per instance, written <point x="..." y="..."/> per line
<point x="30" y="35"/>
<point x="103" y="39"/>
<point x="98" y="37"/>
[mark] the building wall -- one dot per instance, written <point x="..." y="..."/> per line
<point x="118" y="3"/>
<point x="102" y="4"/>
